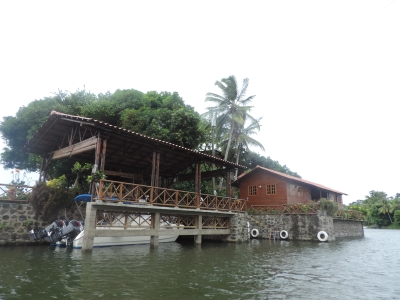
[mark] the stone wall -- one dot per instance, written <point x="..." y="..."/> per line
<point x="15" y="219"/>
<point x="348" y="228"/>
<point x="239" y="229"/>
<point x="299" y="227"/>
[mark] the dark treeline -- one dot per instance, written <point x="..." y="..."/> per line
<point x="379" y="210"/>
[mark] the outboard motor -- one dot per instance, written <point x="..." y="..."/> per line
<point x="57" y="231"/>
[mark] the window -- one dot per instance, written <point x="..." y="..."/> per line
<point x="300" y="191"/>
<point x="252" y="190"/>
<point x="271" y="189"/>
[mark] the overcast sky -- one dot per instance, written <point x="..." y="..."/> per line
<point x="325" y="74"/>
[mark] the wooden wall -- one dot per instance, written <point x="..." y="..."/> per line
<point x="297" y="193"/>
<point x="261" y="198"/>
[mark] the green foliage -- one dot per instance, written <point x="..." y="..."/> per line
<point x="3" y="225"/>
<point x="397" y="218"/>
<point x="164" y="116"/>
<point x="47" y="200"/>
<point x="96" y="177"/>
<point x="329" y="206"/>
<point x="231" y="110"/>
<point x="251" y="160"/>
<point x="78" y="168"/>
<point x="378" y="209"/>
<point x="27" y="222"/>
<point x="159" y="115"/>
<point x="59" y="182"/>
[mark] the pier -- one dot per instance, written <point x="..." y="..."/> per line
<point x="190" y="213"/>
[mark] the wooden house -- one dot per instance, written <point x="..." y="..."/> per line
<point x="262" y="186"/>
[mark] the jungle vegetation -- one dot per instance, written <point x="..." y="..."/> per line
<point x="380" y="210"/>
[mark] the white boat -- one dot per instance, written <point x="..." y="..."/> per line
<point x="61" y="234"/>
<point x="124" y="240"/>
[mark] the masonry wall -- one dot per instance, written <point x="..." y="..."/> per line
<point x="348" y="228"/>
<point x="299" y="227"/>
<point x="13" y="231"/>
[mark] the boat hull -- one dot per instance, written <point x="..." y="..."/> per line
<point x="123" y="241"/>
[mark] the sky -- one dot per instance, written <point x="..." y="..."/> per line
<point x="325" y="74"/>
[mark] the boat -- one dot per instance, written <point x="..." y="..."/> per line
<point x="63" y="233"/>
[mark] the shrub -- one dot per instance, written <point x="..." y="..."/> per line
<point x="48" y="200"/>
<point x="329" y="206"/>
<point x="397" y="218"/>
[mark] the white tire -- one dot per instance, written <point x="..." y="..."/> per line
<point x="284" y="234"/>
<point x="254" y="233"/>
<point x="322" y="236"/>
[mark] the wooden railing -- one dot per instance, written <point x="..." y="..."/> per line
<point x="18" y="193"/>
<point x="115" y="191"/>
<point x="349" y="215"/>
<point x="137" y="220"/>
<point x="286" y="209"/>
<point x="308" y="209"/>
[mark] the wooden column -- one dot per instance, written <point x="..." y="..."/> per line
<point x="155" y="224"/>
<point x="197" y="238"/>
<point x="90" y="228"/>
<point x="41" y="169"/>
<point x="228" y="184"/>
<point x="103" y="155"/>
<point x="197" y="184"/>
<point x="155" y="171"/>
<point x="97" y="153"/>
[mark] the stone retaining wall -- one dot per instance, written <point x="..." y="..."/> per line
<point x="299" y="227"/>
<point x="14" y="219"/>
<point x="348" y="228"/>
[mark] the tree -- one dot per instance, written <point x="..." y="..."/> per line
<point x="385" y="208"/>
<point x="243" y="139"/>
<point x="165" y="116"/>
<point x="231" y="108"/>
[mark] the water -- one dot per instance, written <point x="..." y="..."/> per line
<point x="360" y="268"/>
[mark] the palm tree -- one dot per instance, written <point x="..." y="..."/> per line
<point x="231" y="108"/>
<point x="243" y="139"/>
<point x="385" y="208"/>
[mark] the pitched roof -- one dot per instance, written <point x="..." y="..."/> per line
<point x="126" y="150"/>
<point x="259" y="168"/>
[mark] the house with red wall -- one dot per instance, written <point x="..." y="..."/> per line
<point x="262" y="186"/>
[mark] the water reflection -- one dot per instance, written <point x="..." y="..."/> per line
<point x="364" y="268"/>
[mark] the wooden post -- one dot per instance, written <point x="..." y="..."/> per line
<point x="197" y="238"/>
<point x="155" y="224"/>
<point x="103" y="155"/>
<point x="228" y="184"/>
<point x="197" y="184"/>
<point x="41" y="169"/>
<point x="155" y="169"/>
<point x="90" y="228"/>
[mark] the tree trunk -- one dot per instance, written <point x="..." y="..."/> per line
<point x="227" y="152"/>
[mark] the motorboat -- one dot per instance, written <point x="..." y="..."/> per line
<point x="123" y="241"/>
<point x="62" y="233"/>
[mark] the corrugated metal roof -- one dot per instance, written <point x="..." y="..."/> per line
<point x="287" y="177"/>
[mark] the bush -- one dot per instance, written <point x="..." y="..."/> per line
<point x="48" y="200"/>
<point x="329" y="206"/>
<point x="397" y="218"/>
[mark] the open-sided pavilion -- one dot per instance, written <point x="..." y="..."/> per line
<point x="140" y="171"/>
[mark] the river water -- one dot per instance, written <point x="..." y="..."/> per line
<point x="357" y="268"/>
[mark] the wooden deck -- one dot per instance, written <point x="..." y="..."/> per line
<point x="129" y="193"/>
